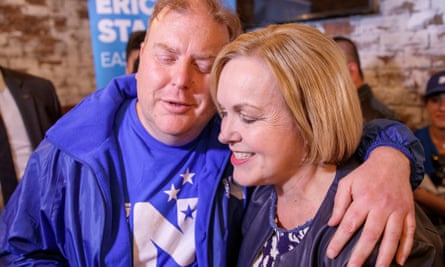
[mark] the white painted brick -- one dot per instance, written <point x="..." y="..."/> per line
<point x="436" y="35"/>
<point x="420" y="5"/>
<point x="395" y="6"/>
<point x="416" y="80"/>
<point x="438" y="5"/>
<point x="421" y="19"/>
<point x="413" y="59"/>
<point x="382" y="24"/>
<point x="396" y="41"/>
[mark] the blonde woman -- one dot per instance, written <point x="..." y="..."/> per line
<point x="291" y="116"/>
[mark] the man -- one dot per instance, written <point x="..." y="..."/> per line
<point x="135" y="176"/>
<point x="28" y="107"/>
<point x="372" y="108"/>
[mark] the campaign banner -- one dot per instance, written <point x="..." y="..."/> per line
<point x="111" y="23"/>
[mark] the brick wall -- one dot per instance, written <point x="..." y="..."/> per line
<point x="49" y="38"/>
<point x="400" y="47"/>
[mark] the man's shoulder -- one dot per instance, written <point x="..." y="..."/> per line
<point x="372" y="107"/>
<point x="90" y="123"/>
<point x="23" y="76"/>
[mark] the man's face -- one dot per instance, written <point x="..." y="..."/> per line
<point x="435" y="106"/>
<point x="174" y="102"/>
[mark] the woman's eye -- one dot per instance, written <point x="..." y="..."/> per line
<point x="247" y="119"/>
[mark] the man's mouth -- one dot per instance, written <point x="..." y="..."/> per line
<point x="177" y="107"/>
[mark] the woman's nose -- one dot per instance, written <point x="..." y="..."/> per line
<point x="228" y="133"/>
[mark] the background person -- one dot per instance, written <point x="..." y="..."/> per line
<point x="371" y="107"/>
<point x="28" y="107"/>
<point x="431" y="193"/>
<point x="132" y="51"/>
<point x="294" y="132"/>
<point x="117" y="197"/>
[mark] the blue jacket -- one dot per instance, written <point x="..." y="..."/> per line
<point x="77" y="221"/>
<point x="427" y="247"/>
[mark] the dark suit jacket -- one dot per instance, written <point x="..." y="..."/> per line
<point x="37" y="101"/>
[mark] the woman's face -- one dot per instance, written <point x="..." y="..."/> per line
<point x="257" y="124"/>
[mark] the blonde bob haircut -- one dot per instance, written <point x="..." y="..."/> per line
<point x="313" y="78"/>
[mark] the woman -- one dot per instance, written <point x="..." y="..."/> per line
<point x="292" y="118"/>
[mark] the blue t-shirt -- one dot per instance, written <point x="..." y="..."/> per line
<point x="162" y="193"/>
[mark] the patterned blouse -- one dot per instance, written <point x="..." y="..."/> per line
<point x="281" y="241"/>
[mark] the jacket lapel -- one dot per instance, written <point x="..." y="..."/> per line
<point x="20" y="90"/>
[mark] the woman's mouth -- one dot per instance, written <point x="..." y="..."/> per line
<point x="240" y="157"/>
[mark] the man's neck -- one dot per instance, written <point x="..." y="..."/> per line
<point x="359" y="84"/>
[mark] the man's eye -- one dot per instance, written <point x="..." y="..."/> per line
<point x="204" y="67"/>
<point x="166" y="59"/>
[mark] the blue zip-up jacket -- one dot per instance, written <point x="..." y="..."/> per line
<point x="77" y="222"/>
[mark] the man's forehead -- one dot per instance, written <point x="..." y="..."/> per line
<point x="192" y="8"/>
<point x="169" y="32"/>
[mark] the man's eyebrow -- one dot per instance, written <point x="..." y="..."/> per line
<point x="205" y="58"/>
<point x="165" y="47"/>
<point x="170" y="49"/>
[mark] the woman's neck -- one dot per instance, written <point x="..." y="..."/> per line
<point x="300" y="198"/>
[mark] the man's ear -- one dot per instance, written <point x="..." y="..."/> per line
<point x="354" y="71"/>
<point x="353" y="68"/>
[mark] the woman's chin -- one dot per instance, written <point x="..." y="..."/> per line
<point x="243" y="180"/>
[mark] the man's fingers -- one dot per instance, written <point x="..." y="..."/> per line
<point x="390" y="240"/>
<point x="352" y="220"/>
<point x="383" y="202"/>
<point x="369" y="237"/>
<point x="343" y="199"/>
<point x="372" y="231"/>
<point x="407" y="239"/>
